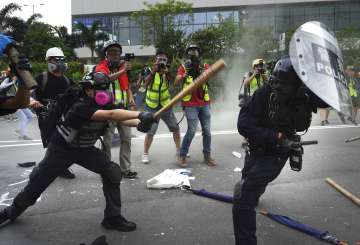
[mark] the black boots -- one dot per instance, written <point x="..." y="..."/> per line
<point x="118" y="223"/>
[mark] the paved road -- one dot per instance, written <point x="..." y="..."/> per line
<point x="70" y="211"/>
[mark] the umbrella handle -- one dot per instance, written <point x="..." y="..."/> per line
<point x="186" y="187"/>
<point x="264" y="212"/>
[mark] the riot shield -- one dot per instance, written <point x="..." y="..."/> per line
<point x="317" y="60"/>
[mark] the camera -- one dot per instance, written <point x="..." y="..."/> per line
<point x="161" y="65"/>
<point x="129" y="56"/>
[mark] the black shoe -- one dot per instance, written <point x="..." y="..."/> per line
<point x="3" y="217"/>
<point x="67" y="174"/>
<point x="118" y="223"/>
<point x="129" y="175"/>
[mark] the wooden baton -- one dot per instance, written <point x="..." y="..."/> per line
<point x="26" y="76"/>
<point x="199" y="81"/>
<point x="343" y="191"/>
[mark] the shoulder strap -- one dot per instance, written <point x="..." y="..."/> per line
<point x="67" y="80"/>
<point x="44" y="80"/>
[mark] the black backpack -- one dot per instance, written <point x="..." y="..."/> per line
<point x="49" y="116"/>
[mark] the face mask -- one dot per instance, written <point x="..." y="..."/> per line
<point x="113" y="64"/>
<point x="59" y="66"/>
<point x="103" y="98"/>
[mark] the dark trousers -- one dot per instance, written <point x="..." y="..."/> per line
<point x="257" y="173"/>
<point x="56" y="160"/>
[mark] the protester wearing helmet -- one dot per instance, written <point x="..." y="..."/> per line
<point x="81" y="124"/>
<point x="157" y="96"/>
<point x="51" y="84"/>
<point x="269" y="121"/>
<point x="196" y="105"/>
<point x="117" y="69"/>
<point x="257" y="77"/>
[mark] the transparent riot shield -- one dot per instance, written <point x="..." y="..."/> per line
<point x="317" y="59"/>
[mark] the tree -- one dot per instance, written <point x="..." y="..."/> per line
<point x="40" y="37"/>
<point x="162" y="25"/>
<point x="71" y="41"/>
<point x="218" y="41"/>
<point x="89" y="36"/>
<point x="349" y="42"/>
<point x="10" y="25"/>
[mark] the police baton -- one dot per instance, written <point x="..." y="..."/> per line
<point x="301" y="143"/>
<point x="199" y="81"/>
<point x="26" y="76"/>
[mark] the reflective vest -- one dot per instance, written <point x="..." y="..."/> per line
<point x="352" y="90"/>
<point x="255" y="84"/>
<point x="84" y="137"/>
<point x="158" y="92"/>
<point x="121" y="96"/>
<point x="189" y="80"/>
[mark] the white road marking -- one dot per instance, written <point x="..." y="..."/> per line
<point x="169" y="135"/>
<point x="18" y="183"/>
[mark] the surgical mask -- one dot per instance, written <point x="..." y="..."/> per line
<point x="103" y="98"/>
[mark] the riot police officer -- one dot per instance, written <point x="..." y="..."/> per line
<point x="73" y="141"/>
<point x="269" y="121"/>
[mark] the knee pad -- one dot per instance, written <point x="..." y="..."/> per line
<point x="113" y="173"/>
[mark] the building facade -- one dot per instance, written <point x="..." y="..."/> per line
<point x="280" y="15"/>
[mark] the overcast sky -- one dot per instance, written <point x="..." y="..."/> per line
<point x="54" y="12"/>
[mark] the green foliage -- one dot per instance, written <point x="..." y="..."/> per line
<point x="160" y="23"/>
<point x="38" y="39"/>
<point x="89" y="36"/>
<point x="218" y="41"/>
<point x="349" y="42"/>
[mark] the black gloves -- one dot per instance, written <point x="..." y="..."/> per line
<point x="23" y="64"/>
<point x="146" y="121"/>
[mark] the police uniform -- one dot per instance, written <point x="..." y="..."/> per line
<point x="266" y="157"/>
<point x="73" y="141"/>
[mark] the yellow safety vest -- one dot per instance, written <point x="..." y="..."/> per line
<point x="121" y="96"/>
<point x="255" y="84"/>
<point x="158" y="92"/>
<point x="352" y="90"/>
<point x="189" y="80"/>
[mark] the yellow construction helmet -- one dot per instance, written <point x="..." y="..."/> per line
<point x="257" y="62"/>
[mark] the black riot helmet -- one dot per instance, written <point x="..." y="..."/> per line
<point x="284" y="73"/>
<point x="284" y="81"/>
<point x="193" y="52"/>
<point x="97" y="80"/>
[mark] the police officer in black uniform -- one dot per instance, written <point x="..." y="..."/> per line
<point x="270" y="121"/>
<point x="73" y="141"/>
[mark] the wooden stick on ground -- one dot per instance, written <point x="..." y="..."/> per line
<point x="203" y="78"/>
<point x="343" y="191"/>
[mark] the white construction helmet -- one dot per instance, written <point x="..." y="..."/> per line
<point x="54" y="52"/>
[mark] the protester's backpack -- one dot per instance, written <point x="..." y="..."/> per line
<point x="49" y="116"/>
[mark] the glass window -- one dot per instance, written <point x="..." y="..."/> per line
<point x="311" y="13"/>
<point x="124" y="21"/>
<point x="200" y="18"/>
<point x="124" y="36"/>
<point x="213" y="17"/>
<point x="136" y="36"/>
